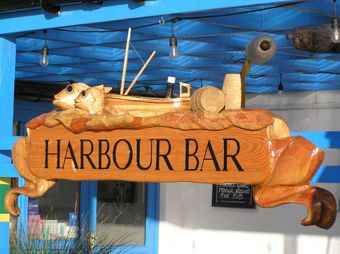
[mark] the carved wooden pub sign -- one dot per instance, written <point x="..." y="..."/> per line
<point x="205" y="137"/>
<point x="169" y="140"/>
<point x="153" y="154"/>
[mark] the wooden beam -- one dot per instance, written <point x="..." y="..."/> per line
<point x="85" y="14"/>
<point x="7" y="75"/>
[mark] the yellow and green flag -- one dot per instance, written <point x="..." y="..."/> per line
<point x="5" y="185"/>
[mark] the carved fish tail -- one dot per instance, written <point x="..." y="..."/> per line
<point x="33" y="188"/>
<point x="295" y="163"/>
<point x="320" y="204"/>
<point x="328" y="207"/>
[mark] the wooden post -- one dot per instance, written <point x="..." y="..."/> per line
<point x="140" y="73"/>
<point x="233" y="91"/>
<point x="122" y="84"/>
<point x="234" y="88"/>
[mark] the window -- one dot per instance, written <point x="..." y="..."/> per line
<point x="121" y="213"/>
<point x="55" y="215"/>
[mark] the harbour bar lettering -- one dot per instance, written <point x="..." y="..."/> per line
<point x="123" y="154"/>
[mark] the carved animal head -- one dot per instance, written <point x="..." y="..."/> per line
<point x="65" y="98"/>
<point x="92" y="99"/>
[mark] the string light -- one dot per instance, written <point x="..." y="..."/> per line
<point x="44" y="53"/>
<point x="173" y="53"/>
<point x="163" y="21"/>
<point x="335" y="25"/>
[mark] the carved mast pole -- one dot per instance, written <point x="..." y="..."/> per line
<point x="122" y="84"/>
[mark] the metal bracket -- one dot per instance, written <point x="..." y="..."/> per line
<point x="49" y="7"/>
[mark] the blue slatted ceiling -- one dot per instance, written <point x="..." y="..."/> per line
<point x="209" y="48"/>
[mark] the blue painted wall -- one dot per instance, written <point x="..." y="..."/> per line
<point x="7" y="70"/>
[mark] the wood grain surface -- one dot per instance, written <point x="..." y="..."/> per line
<point x="232" y="90"/>
<point x="100" y="136"/>
<point x="173" y="155"/>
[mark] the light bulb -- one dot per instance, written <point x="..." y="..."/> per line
<point x="335" y="31"/>
<point x="44" y="56"/>
<point x="173" y="53"/>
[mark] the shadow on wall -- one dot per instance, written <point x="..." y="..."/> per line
<point x="189" y="205"/>
<point x="189" y="220"/>
<point x="194" y="226"/>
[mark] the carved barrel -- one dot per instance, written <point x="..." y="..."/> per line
<point x="207" y="99"/>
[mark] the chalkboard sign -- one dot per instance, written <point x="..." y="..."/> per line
<point x="233" y="195"/>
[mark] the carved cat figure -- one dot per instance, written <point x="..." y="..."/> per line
<point x="80" y="95"/>
<point x="65" y="98"/>
<point x="92" y="99"/>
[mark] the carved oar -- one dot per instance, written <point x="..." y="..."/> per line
<point x="140" y="73"/>
<point x="122" y="84"/>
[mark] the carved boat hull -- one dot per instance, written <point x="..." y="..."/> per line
<point x="143" y="106"/>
